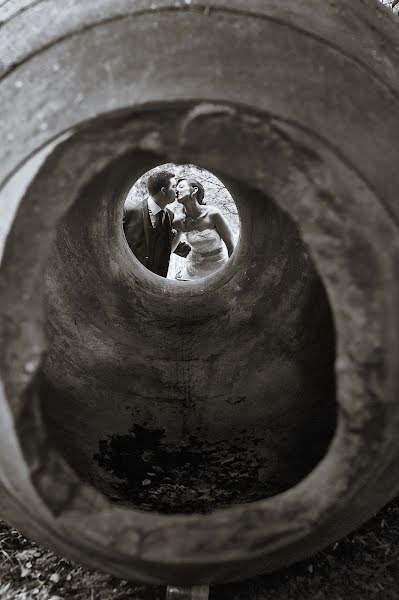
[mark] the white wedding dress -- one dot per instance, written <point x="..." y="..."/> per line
<point x="208" y="254"/>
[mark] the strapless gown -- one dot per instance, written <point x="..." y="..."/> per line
<point x="208" y="254"/>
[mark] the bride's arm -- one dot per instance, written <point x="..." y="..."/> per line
<point x="178" y="226"/>
<point x="178" y="247"/>
<point x="179" y="220"/>
<point x="224" y="230"/>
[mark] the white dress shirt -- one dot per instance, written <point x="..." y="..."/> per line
<point x="154" y="209"/>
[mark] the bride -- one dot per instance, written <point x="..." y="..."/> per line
<point x="206" y="229"/>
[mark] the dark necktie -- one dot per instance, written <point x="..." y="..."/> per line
<point x="160" y="219"/>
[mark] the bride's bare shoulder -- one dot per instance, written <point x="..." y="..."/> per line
<point x="213" y="212"/>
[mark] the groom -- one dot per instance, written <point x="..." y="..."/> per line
<point x="148" y="226"/>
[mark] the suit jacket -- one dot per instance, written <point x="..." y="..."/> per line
<point x="137" y="225"/>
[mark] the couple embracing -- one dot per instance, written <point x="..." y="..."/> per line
<point x="153" y="232"/>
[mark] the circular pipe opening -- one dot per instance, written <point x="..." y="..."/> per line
<point x="179" y="398"/>
<point x="96" y="168"/>
<point x="181" y="222"/>
<point x="274" y="136"/>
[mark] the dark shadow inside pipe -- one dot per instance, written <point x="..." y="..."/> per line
<point x="177" y="399"/>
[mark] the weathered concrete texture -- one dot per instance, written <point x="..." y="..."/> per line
<point x="252" y="359"/>
<point x="321" y="50"/>
<point x="287" y="115"/>
<point x="299" y="179"/>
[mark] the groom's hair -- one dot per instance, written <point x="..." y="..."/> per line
<point x="158" y="180"/>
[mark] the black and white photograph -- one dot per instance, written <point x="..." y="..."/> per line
<point x="199" y="300"/>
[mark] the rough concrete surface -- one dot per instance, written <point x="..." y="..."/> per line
<point x="285" y="360"/>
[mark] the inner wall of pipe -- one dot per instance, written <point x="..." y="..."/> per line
<point x="14" y="189"/>
<point x="179" y="398"/>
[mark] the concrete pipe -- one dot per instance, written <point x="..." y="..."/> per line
<point x="282" y="364"/>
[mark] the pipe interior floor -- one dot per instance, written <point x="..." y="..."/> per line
<point x="189" y="478"/>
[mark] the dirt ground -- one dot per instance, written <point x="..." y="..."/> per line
<point x="362" y="566"/>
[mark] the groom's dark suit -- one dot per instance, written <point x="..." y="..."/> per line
<point x="151" y="245"/>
